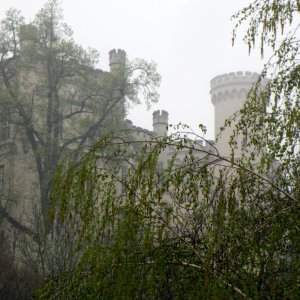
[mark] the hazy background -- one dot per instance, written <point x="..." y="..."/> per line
<point x="190" y="40"/>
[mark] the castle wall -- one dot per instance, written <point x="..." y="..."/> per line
<point x="21" y="190"/>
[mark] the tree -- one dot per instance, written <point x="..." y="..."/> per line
<point x="56" y="99"/>
<point x="16" y="282"/>
<point x="209" y="227"/>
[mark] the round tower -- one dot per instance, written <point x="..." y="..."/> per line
<point x="117" y="59"/>
<point x="160" y="122"/>
<point x="228" y="94"/>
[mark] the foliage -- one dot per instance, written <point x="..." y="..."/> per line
<point x="198" y="225"/>
<point x="56" y="98"/>
<point x="54" y="102"/>
<point x="275" y="116"/>
<point x="175" y="231"/>
<point x="16" y="282"/>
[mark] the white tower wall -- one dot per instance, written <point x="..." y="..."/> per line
<point x="228" y="94"/>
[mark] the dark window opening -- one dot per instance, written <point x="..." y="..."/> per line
<point x="124" y="175"/>
<point x="1" y="180"/>
<point x="5" y="127"/>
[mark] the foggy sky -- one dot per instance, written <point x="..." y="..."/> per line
<point x="190" y="40"/>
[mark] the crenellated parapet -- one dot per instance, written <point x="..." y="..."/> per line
<point x="234" y="78"/>
<point x="160" y="122"/>
<point x="160" y="116"/>
<point x="117" y="57"/>
<point x="234" y="85"/>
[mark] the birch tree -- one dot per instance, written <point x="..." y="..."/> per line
<point x="210" y="227"/>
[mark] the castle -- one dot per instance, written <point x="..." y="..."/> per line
<point x="228" y="94"/>
<point x="45" y="115"/>
<point x="21" y="172"/>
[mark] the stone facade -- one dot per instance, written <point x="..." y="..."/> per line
<point x="19" y="180"/>
<point x="18" y="175"/>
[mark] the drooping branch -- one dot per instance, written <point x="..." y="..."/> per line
<point x="16" y="224"/>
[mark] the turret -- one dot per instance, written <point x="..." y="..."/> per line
<point x="160" y="122"/>
<point x="117" y="59"/>
<point x="28" y="36"/>
<point x="228" y="94"/>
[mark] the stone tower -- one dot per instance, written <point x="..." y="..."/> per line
<point x="117" y="59"/>
<point x="160" y="122"/>
<point x="28" y="36"/>
<point x="228" y="94"/>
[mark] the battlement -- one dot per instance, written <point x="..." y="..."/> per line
<point x="160" y="122"/>
<point x="117" y="57"/>
<point x="234" y="85"/>
<point x="234" y="78"/>
<point x="160" y="117"/>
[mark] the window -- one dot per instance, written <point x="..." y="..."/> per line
<point x="5" y="127"/>
<point x="61" y="128"/>
<point x="124" y="174"/>
<point x="1" y="180"/>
